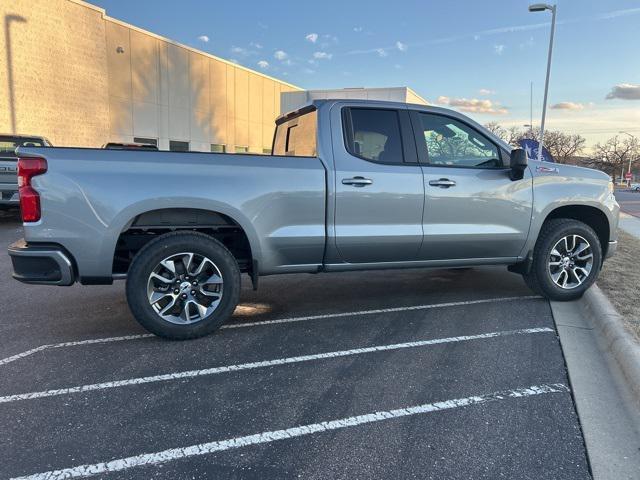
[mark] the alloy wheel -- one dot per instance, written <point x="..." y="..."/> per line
<point x="570" y="262"/>
<point x="185" y="288"/>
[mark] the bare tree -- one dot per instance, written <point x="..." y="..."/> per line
<point x="562" y="146"/>
<point x="614" y="155"/>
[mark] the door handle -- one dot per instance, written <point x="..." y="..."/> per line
<point x="442" y="183"/>
<point x="357" y="181"/>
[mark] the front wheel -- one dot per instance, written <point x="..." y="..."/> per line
<point x="566" y="260"/>
<point x="183" y="285"/>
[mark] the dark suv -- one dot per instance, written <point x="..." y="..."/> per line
<point x="9" y="167"/>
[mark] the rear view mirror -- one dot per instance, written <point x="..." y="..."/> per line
<point x="518" y="163"/>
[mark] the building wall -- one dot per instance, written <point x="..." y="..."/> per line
<point x="295" y="99"/>
<point x="81" y="78"/>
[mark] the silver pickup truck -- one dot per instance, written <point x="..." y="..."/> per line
<point x="351" y="185"/>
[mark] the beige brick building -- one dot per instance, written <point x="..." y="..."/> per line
<point x="72" y="74"/>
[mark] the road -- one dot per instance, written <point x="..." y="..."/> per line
<point x="418" y="374"/>
<point x="629" y="201"/>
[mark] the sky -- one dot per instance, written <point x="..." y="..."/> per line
<point x="478" y="57"/>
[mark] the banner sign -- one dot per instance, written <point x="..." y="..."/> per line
<point x="531" y="147"/>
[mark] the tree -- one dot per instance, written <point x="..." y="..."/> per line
<point x="562" y="146"/>
<point x="614" y="155"/>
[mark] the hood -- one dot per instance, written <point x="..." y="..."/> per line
<point x="538" y="169"/>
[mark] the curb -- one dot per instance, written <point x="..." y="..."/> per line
<point x="616" y="339"/>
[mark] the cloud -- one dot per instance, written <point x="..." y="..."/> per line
<point x="474" y="105"/>
<point x="357" y="29"/>
<point x="263" y="64"/>
<point x="382" y="52"/>
<point x="527" y="44"/>
<point x="625" y="91"/>
<point x="618" y="13"/>
<point x="280" y="55"/>
<point x="240" y="51"/>
<point x="312" y="37"/>
<point x="322" y="55"/>
<point x="402" y="46"/>
<point x="308" y="71"/>
<point x="568" y="106"/>
<point x="256" y="45"/>
<point x="507" y="29"/>
<point x="499" y="49"/>
<point x="203" y="38"/>
<point x="486" y="91"/>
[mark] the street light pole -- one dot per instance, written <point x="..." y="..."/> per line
<point x="633" y="137"/>
<point x="540" y="7"/>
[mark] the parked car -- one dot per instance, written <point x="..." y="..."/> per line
<point x="129" y="146"/>
<point x="635" y="187"/>
<point x="8" y="164"/>
<point x="351" y="185"/>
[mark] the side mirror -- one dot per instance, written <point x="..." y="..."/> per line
<point x="518" y="163"/>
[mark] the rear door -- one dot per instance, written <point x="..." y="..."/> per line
<point x="472" y="208"/>
<point x="378" y="186"/>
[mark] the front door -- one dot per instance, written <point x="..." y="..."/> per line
<point x="379" y="187"/>
<point x="472" y="208"/>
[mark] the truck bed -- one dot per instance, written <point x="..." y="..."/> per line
<point x="89" y="197"/>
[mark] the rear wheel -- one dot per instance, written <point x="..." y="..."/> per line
<point x="183" y="285"/>
<point x="566" y="260"/>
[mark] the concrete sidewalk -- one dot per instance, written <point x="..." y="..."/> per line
<point x="630" y="224"/>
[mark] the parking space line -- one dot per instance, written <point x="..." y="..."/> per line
<point x="172" y="454"/>
<point x="378" y="311"/>
<point x="267" y="363"/>
<point x="18" y="356"/>
<point x="27" y="353"/>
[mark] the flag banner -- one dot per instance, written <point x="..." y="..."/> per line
<point x="531" y="147"/>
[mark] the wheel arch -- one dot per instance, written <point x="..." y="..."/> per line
<point x="227" y="225"/>
<point x="587" y="214"/>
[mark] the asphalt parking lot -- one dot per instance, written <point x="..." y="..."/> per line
<point x="408" y="374"/>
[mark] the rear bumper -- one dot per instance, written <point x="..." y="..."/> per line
<point x="41" y="264"/>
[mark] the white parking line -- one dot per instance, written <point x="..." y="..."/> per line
<point x="266" y="363"/>
<point x="378" y="311"/>
<point x="18" y="356"/>
<point x="272" y="436"/>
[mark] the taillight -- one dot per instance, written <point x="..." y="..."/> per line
<point x="29" y="167"/>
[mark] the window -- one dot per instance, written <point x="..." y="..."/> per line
<point x="8" y="144"/>
<point x="374" y="134"/>
<point x="297" y="137"/>
<point x="240" y="149"/>
<point x="217" y="148"/>
<point x="146" y="141"/>
<point x="176" y="146"/>
<point x="452" y="143"/>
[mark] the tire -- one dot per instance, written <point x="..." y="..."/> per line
<point x="580" y="271"/>
<point x="191" y="277"/>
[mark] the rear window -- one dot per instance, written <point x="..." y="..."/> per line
<point x="374" y="134"/>
<point x="9" y="144"/>
<point x="297" y="137"/>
